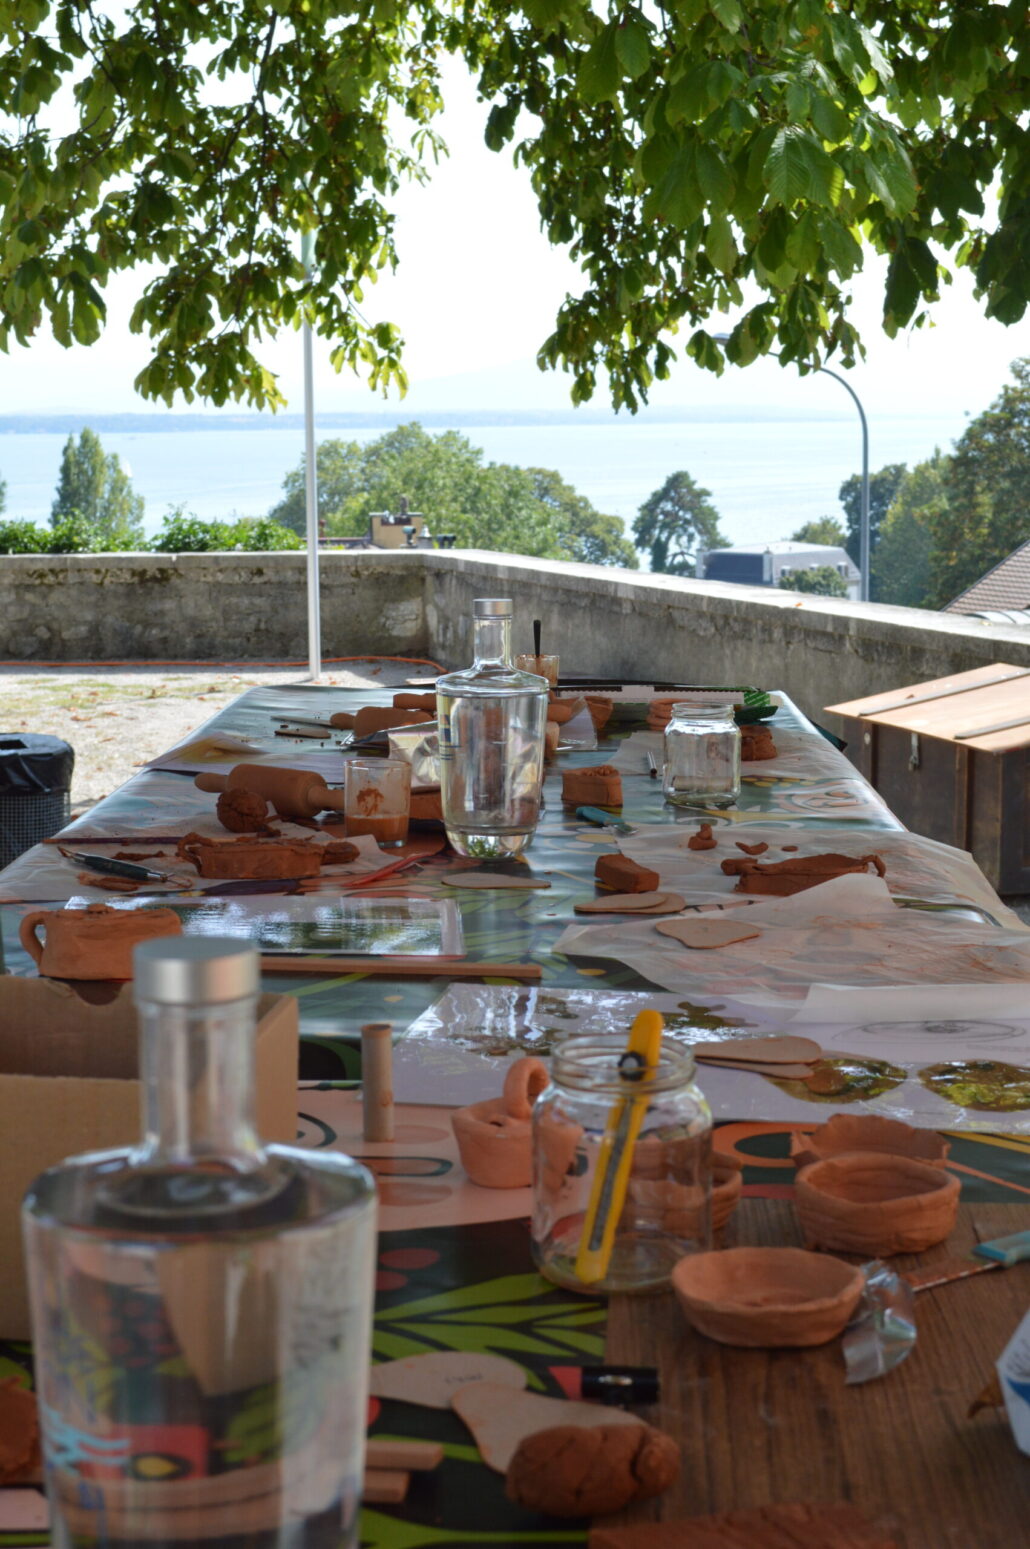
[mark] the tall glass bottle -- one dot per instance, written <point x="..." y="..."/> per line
<point x="201" y="1303"/>
<point x="492" y="718"/>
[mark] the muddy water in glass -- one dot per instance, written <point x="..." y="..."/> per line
<point x="491" y="719"/>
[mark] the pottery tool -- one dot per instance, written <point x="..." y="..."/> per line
<point x="108" y="866"/>
<point x="652" y="767"/>
<point x="499" y="1418"/>
<point x="602" y="819"/>
<point x="418" y="1457"/>
<point x="1000" y="1253"/>
<point x="536" y="638"/>
<point x="615" y="1158"/>
<point x="294" y="793"/>
<point x="385" y="1486"/>
<point x="402" y="967"/>
<point x="301" y="731"/>
<point x="430" y="1379"/>
<point x="778" y="1049"/>
<point x="616" y="1385"/>
<point x="377" y="1080"/>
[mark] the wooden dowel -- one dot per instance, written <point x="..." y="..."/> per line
<point x="402" y="967"/>
<point x="377" y="1080"/>
<point x="418" y="1456"/>
<point x="385" y="1487"/>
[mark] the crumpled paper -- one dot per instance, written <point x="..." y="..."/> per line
<point x="882" y="1333"/>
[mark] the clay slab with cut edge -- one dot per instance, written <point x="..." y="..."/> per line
<point x="754" y="1067"/>
<point x="431" y="1379"/>
<point x="499" y="1418"/>
<point x="767" y="1297"/>
<point x="872" y="1203"/>
<point x="485" y="879"/>
<point x="632" y="903"/>
<point x="787" y="1049"/>
<point x="705" y="935"/>
<point x="868" y="1132"/>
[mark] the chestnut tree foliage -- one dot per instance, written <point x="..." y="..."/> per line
<point x="695" y="156"/>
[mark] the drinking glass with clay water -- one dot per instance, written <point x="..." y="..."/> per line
<point x="377" y="799"/>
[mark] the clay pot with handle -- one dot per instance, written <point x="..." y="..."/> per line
<point x="495" y="1137"/>
<point x="92" y="943"/>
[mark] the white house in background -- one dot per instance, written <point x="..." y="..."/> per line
<point x="770" y="564"/>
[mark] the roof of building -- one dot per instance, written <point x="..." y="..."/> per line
<point x="1004" y="589"/>
<point x="783" y="546"/>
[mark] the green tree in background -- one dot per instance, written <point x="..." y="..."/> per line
<point x="883" y="486"/>
<point x="676" y="524"/>
<point x="491" y="506"/>
<point x="94" y="486"/>
<point x="987" y="485"/>
<point x="694" y="159"/>
<point x="821" y="579"/>
<point x="901" y="564"/>
<point x="826" y="530"/>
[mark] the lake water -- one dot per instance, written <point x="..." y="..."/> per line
<point x="766" y="476"/>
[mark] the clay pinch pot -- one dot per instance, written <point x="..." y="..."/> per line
<point x="767" y="1297"/>
<point x="92" y="943"/>
<point x="495" y="1137"/>
<point x="868" y="1132"/>
<point x="872" y="1203"/>
<point x="677" y="1206"/>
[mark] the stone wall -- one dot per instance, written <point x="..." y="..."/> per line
<point x="233" y="606"/>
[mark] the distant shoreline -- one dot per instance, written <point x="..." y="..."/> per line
<point x="72" y="422"/>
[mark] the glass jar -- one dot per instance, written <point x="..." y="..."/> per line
<point x="201" y="1302"/>
<point x="702" y="756"/>
<point x="666" y="1205"/>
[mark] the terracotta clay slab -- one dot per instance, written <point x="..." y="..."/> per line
<point x="780" y="1072"/>
<point x="787" y="1049"/>
<point x="706" y="934"/>
<point x="490" y="879"/>
<point x="431" y="1379"/>
<point x="632" y="903"/>
<point x="499" y="1418"/>
<point x="763" y="1527"/>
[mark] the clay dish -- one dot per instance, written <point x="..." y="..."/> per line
<point x="762" y="1297"/>
<point x="495" y="1138"/>
<point x="868" y="1132"/>
<point x="868" y="1202"/>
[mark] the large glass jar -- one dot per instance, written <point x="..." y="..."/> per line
<point x="665" y="1211"/>
<point x="702" y="756"/>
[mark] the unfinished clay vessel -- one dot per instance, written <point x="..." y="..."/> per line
<point x="868" y="1132"/>
<point x="92" y="943"/>
<point x="872" y="1203"/>
<point x="767" y="1296"/>
<point x="495" y="1137"/>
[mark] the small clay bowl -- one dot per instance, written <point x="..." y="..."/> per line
<point x="871" y="1203"/>
<point x="763" y="1297"/>
<point x="868" y="1132"/>
<point x="727" y="1182"/>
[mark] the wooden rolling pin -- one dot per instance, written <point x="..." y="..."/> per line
<point x="294" y="793"/>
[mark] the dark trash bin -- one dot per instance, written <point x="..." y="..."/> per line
<point x="35" y="791"/>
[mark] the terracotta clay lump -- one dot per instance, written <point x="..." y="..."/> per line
<point x="495" y="1138"/>
<point x="92" y="943"/>
<point x="782" y="878"/>
<point x="597" y="787"/>
<point x="869" y="1202"/>
<point x="767" y="1297"/>
<point x="625" y="876"/>
<point x="580" y="1471"/>
<point x="252" y="859"/>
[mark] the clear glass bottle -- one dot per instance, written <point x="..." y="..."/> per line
<point x="702" y="756"/>
<point x="491" y="718"/>
<point x="667" y="1209"/>
<point x="201" y="1304"/>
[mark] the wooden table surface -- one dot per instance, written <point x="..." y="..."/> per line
<point x="760" y="1426"/>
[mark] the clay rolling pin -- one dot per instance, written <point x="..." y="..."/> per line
<point x="294" y="793"/>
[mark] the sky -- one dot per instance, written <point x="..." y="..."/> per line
<point x="476" y="293"/>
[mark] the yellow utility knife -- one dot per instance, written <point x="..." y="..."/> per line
<point x="637" y="1069"/>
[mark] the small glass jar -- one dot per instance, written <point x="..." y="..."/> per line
<point x="702" y="756"/>
<point x="667" y="1203"/>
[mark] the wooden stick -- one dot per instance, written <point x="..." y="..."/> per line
<point x="415" y="1455"/>
<point x="377" y="1080"/>
<point x="385" y="1487"/>
<point x="402" y="967"/>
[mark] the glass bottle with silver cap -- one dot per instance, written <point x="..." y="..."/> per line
<point x="201" y="1302"/>
<point x="492" y="718"/>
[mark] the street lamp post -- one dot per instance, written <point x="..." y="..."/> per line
<point x="863" y="540"/>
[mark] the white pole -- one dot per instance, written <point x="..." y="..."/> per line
<point x="311" y="484"/>
<point x="864" y="556"/>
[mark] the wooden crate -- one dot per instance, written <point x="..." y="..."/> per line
<point x="952" y="759"/>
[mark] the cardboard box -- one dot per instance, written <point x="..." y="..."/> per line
<point x="69" y="1083"/>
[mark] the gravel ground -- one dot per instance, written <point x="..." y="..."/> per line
<point x="117" y="719"/>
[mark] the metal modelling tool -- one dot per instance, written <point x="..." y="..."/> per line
<point x="637" y="1068"/>
<point x="1001" y="1253"/>
<point x="108" y="865"/>
<point x="602" y="819"/>
<point x="652" y="767"/>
